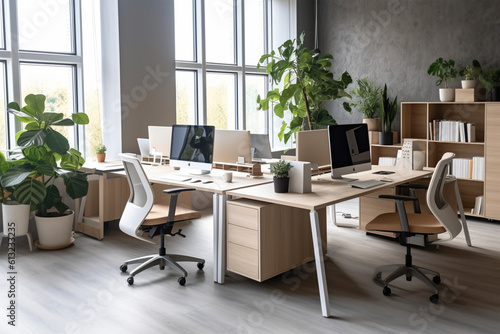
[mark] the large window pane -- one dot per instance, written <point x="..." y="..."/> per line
<point x="255" y="119"/>
<point x="254" y="31"/>
<point x="56" y="82"/>
<point x="184" y="30"/>
<point x="46" y="26"/>
<point x="219" y="31"/>
<point x="91" y="38"/>
<point x="221" y="100"/>
<point x="2" y="22"/>
<point x="3" y="125"/>
<point x="186" y="96"/>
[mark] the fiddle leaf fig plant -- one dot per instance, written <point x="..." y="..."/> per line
<point x="306" y="82"/>
<point x="46" y="156"/>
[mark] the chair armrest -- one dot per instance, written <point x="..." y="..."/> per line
<point x="177" y="190"/>
<point x="399" y="197"/>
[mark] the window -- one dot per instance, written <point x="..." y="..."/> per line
<point x="45" y="57"/>
<point x="216" y="63"/>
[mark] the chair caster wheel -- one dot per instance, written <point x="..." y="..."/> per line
<point x="387" y="291"/>
<point x="201" y="265"/>
<point x="434" y="299"/>
<point x="436" y="279"/>
<point x="182" y="281"/>
<point x="123" y="268"/>
<point x="130" y="280"/>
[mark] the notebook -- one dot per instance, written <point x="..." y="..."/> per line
<point x="366" y="184"/>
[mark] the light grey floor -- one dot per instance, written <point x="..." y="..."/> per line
<point x="81" y="289"/>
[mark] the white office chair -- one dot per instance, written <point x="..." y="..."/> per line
<point x="443" y="219"/>
<point x="141" y="215"/>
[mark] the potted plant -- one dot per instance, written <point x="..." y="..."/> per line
<point x="281" y="179"/>
<point x="388" y="111"/>
<point x="491" y="81"/>
<point x="100" y="152"/>
<point x="307" y="82"/>
<point x="366" y="98"/>
<point x="471" y="74"/>
<point x="14" y="214"/>
<point x="46" y="157"/>
<point x="446" y="72"/>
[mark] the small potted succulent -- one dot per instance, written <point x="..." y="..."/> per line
<point x="100" y="152"/>
<point x="281" y="179"/>
<point x="446" y="72"/>
<point x="471" y="74"/>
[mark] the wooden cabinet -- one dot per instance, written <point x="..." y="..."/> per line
<point x="265" y="240"/>
<point x="415" y="119"/>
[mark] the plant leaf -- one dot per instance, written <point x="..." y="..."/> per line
<point x="30" y="191"/>
<point x="57" y="142"/>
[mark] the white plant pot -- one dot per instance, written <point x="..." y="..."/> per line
<point x="447" y="94"/>
<point x="54" y="232"/>
<point x="19" y="214"/>
<point x="469" y="84"/>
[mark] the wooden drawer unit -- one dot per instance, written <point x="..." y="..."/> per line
<point x="265" y="240"/>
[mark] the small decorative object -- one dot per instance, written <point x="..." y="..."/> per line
<point x="100" y="152"/>
<point x="281" y="179"/>
<point x="366" y="98"/>
<point x="388" y="111"/>
<point x="491" y="81"/>
<point x="45" y="157"/>
<point x="227" y="176"/>
<point x="471" y="73"/>
<point x="446" y="72"/>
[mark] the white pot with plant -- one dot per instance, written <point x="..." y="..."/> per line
<point x="366" y="99"/>
<point x="471" y="74"/>
<point x="446" y="72"/>
<point x="46" y="157"/>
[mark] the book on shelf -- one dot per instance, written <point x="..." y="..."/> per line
<point x="478" y="205"/>
<point x="468" y="168"/>
<point x="387" y="161"/>
<point x="449" y="130"/>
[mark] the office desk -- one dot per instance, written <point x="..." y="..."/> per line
<point x="219" y="189"/>
<point x="325" y="192"/>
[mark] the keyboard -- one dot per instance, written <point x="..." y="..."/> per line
<point x="366" y="184"/>
<point x="177" y="178"/>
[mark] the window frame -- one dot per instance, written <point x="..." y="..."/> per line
<point x="240" y="68"/>
<point x="14" y="57"/>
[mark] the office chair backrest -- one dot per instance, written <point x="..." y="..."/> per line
<point x="141" y="197"/>
<point x="438" y="205"/>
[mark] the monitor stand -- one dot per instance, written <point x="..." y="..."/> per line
<point x="344" y="179"/>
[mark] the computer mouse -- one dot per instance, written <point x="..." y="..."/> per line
<point x="386" y="179"/>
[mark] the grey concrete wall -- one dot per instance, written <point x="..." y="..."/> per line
<point x="395" y="41"/>
<point x="305" y="21"/>
<point x="147" y="67"/>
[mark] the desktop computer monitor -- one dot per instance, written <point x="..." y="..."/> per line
<point x="349" y="149"/>
<point x="192" y="147"/>
<point x="261" y="147"/>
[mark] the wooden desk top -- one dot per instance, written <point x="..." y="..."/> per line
<point x="161" y="174"/>
<point x="326" y="191"/>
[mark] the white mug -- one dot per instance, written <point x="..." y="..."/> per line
<point x="227" y="176"/>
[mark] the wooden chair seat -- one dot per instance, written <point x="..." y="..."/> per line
<point x="159" y="213"/>
<point x="418" y="222"/>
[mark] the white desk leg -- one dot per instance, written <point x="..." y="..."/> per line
<point x="320" y="264"/>
<point x="462" y="214"/>
<point x="219" y="219"/>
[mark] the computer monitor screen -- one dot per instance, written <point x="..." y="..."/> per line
<point x="349" y="149"/>
<point x="261" y="147"/>
<point x="192" y="147"/>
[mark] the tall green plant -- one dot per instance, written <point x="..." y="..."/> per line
<point x="307" y="82"/>
<point x="46" y="156"/>
<point x="388" y="111"/>
<point x="366" y="98"/>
